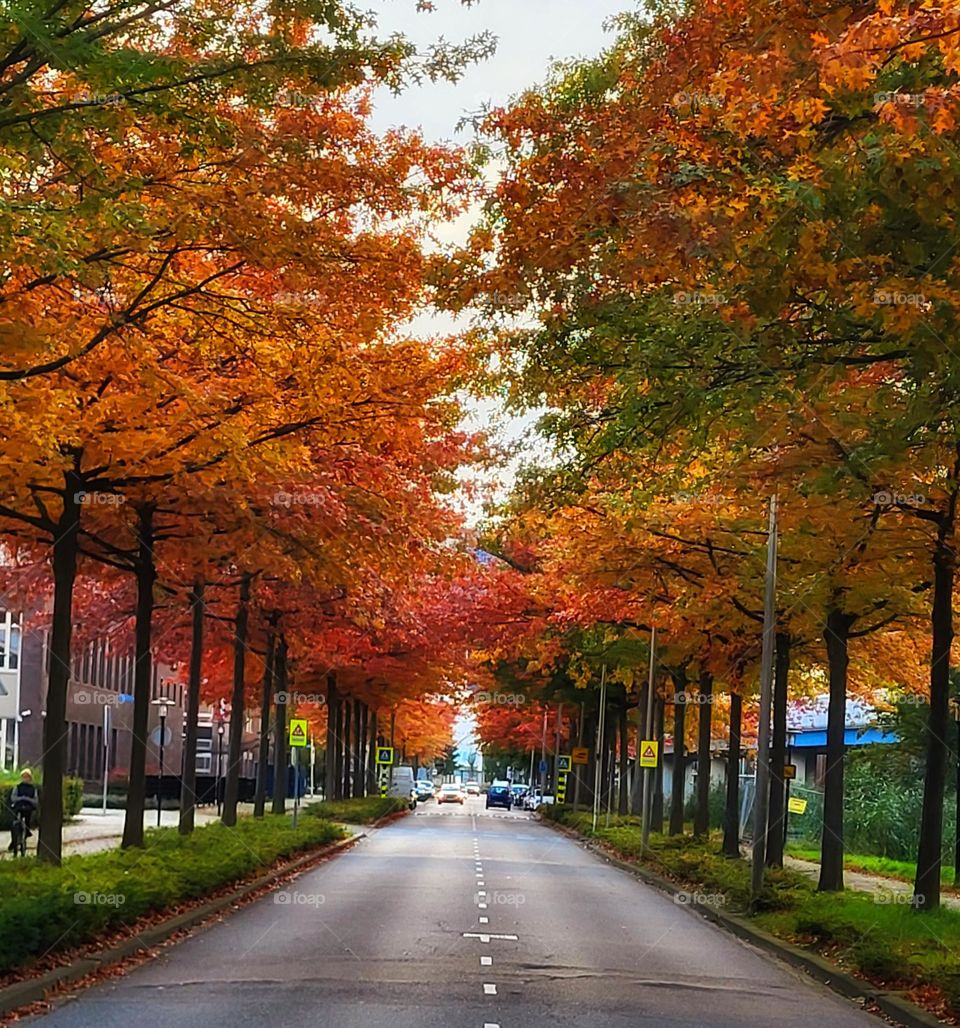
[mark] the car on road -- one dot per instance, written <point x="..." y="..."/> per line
<point x="473" y="788"/>
<point x="533" y="800"/>
<point x="402" y="783"/>
<point x="424" y="790"/>
<point x="499" y="795"/>
<point x="451" y="793"/>
<point x="519" y="790"/>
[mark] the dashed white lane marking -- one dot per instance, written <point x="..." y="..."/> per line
<point x="486" y="961"/>
<point x="484" y="920"/>
<point x="489" y="989"/>
<point x="487" y="936"/>
<point x="490" y="1024"/>
<point x="481" y="906"/>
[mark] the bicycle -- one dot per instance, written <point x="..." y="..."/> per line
<point x="18" y="834"/>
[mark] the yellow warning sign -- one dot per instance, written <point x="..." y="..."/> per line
<point x="796" y="805"/>
<point x="299" y="731"/>
<point x="649" y="749"/>
<point x="384" y="754"/>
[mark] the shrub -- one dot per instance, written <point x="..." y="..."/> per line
<point x="46" y="908"/>
<point x="361" y="811"/>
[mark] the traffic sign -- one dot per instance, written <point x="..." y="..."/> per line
<point x="564" y="763"/>
<point x="561" y="787"/>
<point x="581" y="755"/>
<point x="384" y="754"/>
<point x="796" y="805"/>
<point x="543" y="766"/>
<point x="649" y="749"/>
<point x="789" y="772"/>
<point x="299" y="731"/>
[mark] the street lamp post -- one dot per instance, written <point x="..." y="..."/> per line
<point x="219" y="761"/>
<point x="162" y="705"/>
<point x="955" y="711"/>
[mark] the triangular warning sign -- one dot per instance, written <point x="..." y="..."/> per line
<point x="650" y="753"/>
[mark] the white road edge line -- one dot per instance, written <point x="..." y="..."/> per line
<point x="489" y="989"/>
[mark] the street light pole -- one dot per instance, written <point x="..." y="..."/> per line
<point x="219" y="762"/>
<point x="761" y="800"/>
<point x="955" y="711"/>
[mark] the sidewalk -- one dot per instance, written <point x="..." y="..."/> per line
<point x="92" y="830"/>
<point x="861" y="882"/>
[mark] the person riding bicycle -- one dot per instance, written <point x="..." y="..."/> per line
<point x="24" y="801"/>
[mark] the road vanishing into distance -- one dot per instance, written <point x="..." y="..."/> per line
<point x="459" y="917"/>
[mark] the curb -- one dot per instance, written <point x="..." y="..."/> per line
<point x="35" y="990"/>
<point x="894" y="1004"/>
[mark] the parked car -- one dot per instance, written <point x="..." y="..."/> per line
<point x="451" y="793"/>
<point x="519" y="790"/>
<point x="499" y="795"/>
<point x="424" y="790"/>
<point x="473" y="788"/>
<point x="533" y="800"/>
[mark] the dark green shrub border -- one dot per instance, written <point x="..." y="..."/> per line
<point x="45" y="909"/>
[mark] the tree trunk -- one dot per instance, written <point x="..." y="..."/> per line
<point x="679" y="776"/>
<point x="266" y="701"/>
<point x="656" y="807"/>
<point x="926" y="890"/>
<point x="281" y="756"/>
<point x="371" y="753"/>
<point x="701" y="817"/>
<point x="578" y="768"/>
<point x="347" y="745"/>
<point x="330" y="762"/>
<point x="360" y="785"/>
<point x="836" y="635"/>
<point x="731" y="814"/>
<point x="142" y="681"/>
<point x="231" y="792"/>
<point x="360" y="732"/>
<point x="623" y="799"/>
<point x="778" y="753"/>
<point x="65" y="550"/>
<point x="188" y="784"/>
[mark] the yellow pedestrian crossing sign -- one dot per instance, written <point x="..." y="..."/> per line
<point x="384" y="754"/>
<point x="299" y="731"/>
<point x="649" y="748"/>
<point x="563" y="763"/>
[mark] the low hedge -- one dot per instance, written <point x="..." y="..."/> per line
<point x="72" y="799"/>
<point x="46" y="909"/>
<point x="362" y="811"/>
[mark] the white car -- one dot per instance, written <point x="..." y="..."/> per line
<point x="451" y="793"/>
<point x="473" y="788"/>
<point x="533" y="800"/>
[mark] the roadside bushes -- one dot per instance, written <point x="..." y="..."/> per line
<point x="360" y="811"/>
<point x="46" y="909"/>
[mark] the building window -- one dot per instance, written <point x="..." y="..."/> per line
<point x="204" y="763"/>
<point x="9" y="642"/>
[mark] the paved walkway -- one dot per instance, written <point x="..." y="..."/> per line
<point x="886" y="889"/>
<point x="93" y="830"/>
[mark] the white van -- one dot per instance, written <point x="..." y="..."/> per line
<point x="403" y="783"/>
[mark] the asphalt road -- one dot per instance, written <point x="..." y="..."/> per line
<point x="457" y="917"/>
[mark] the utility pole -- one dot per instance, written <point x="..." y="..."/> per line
<point x="761" y="801"/>
<point x="648" y="772"/>
<point x="543" y="757"/>
<point x="598" y="759"/>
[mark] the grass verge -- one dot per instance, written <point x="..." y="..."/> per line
<point x="362" y="811"/>
<point x="880" y="937"/>
<point x="50" y="909"/>
<point x="882" y="867"/>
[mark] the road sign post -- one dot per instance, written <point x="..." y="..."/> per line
<point x="648" y="731"/>
<point x="299" y="735"/>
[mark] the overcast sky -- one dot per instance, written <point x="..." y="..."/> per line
<point x="531" y="34"/>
